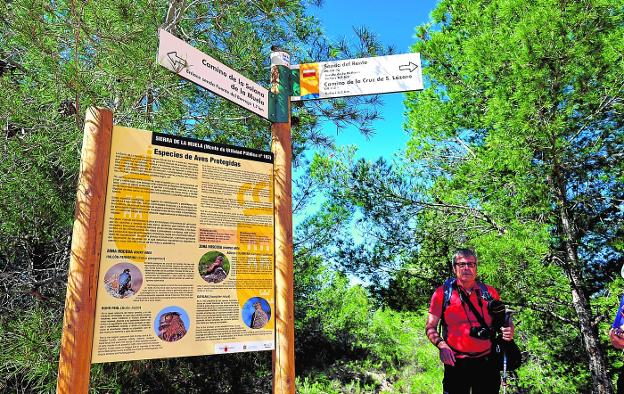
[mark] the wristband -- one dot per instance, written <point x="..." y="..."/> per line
<point x="438" y="341"/>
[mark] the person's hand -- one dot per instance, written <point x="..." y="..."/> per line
<point x="508" y="333"/>
<point x="616" y="340"/>
<point x="446" y="354"/>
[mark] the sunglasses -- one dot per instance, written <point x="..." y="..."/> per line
<point x="464" y="265"/>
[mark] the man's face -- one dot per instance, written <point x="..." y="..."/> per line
<point x="466" y="268"/>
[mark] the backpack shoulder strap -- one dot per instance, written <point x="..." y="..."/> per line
<point x="448" y="291"/>
<point x="485" y="294"/>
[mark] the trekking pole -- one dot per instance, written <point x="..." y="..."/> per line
<point x="506" y="323"/>
<point x="504" y="372"/>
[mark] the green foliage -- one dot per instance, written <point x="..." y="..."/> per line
<point x="401" y="360"/>
<point x="514" y="151"/>
<point x="345" y="343"/>
<point x="30" y="356"/>
<point x="320" y="385"/>
<point x="59" y="58"/>
<point x="345" y="315"/>
<point x="423" y="373"/>
<point x="515" y="130"/>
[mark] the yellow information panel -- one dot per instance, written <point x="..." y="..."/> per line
<point x="187" y="254"/>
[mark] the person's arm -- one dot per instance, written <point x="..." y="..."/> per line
<point x="616" y="341"/>
<point x="446" y="353"/>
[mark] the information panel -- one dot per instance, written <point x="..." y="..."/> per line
<point x="187" y="263"/>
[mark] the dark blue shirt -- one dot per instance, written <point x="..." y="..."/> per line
<point x="619" y="318"/>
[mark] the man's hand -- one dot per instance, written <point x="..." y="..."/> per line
<point x="508" y="332"/>
<point x="446" y="354"/>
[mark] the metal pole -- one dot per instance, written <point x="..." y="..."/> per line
<point x="77" y="340"/>
<point x="279" y="114"/>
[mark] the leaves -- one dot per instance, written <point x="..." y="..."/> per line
<point x="59" y="58"/>
<point x="512" y="152"/>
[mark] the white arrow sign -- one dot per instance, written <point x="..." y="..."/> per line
<point x="408" y="67"/>
<point x="354" y="77"/>
<point x="194" y="65"/>
<point x="176" y="62"/>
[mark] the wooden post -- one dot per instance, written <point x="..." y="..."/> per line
<point x="84" y="263"/>
<point x="284" y="353"/>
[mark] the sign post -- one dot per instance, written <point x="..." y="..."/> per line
<point x="355" y="77"/>
<point x="281" y="145"/>
<point x="77" y="337"/>
<point x="192" y="64"/>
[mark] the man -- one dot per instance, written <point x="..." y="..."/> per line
<point x="466" y="346"/>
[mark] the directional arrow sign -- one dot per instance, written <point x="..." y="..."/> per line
<point x="408" y="67"/>
<point x="354" y="77"/>
<point x="176" y="61"/>
<point x="194" y="65"/>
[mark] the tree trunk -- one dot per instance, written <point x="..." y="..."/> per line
<point x="597" y="361"/>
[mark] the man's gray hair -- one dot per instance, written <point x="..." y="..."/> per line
<point x="464" y="253"/>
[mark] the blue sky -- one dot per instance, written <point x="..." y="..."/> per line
<point x="394" y="23"/>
